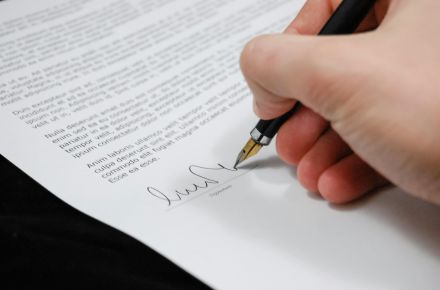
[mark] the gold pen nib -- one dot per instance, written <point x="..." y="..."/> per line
<point x="250" y="149"/>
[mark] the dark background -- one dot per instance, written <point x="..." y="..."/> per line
<point x="46" y="244"/>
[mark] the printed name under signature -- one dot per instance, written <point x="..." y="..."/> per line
<point x="204" y="182"/>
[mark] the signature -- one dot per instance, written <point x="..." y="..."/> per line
<point x="203" y="182"/>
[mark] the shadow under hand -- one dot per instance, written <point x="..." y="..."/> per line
<point x="271" y="162"/>
<point x="270" y="168"/>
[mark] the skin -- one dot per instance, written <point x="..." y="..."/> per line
<point x="371" y="112"/>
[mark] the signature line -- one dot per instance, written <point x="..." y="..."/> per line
<point x="212" y="189"/>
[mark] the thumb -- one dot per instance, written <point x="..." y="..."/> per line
<point x="322" y="72"/>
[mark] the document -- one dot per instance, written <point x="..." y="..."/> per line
<point x="133" y="112"/>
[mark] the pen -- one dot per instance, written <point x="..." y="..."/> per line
<point x="344" y="20"/>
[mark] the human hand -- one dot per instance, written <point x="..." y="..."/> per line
<point x="371" y="100"/>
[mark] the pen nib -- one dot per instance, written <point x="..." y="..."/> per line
<point x="250" y="149"/>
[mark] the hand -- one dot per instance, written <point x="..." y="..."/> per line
<point x="371" y="100"/>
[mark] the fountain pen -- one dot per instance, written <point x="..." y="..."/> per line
<point x="344" y="20"/>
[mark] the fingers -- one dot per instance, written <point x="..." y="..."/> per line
<point x="349" y="179"/>
<point x="326" y="164"/>
<point x="326" y="152"/>
<point x="299" y="134"/>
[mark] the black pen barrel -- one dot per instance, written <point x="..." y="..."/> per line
<point x="269" y="128"/>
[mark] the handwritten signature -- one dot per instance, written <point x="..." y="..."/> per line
<point x="204" y="182"/>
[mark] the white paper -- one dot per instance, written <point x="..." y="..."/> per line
<point x="115" y="106"/>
